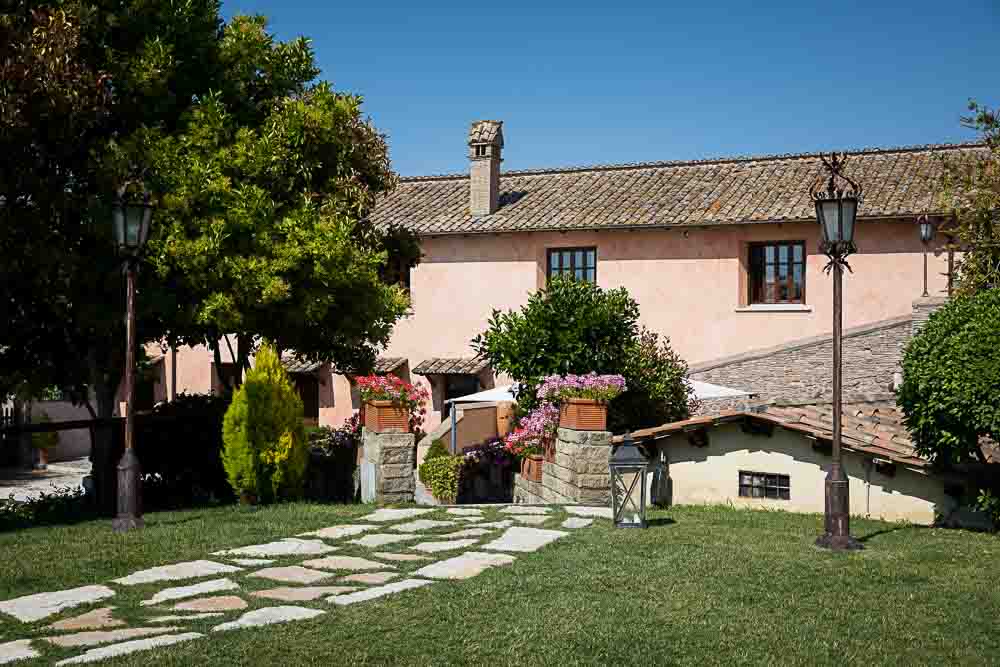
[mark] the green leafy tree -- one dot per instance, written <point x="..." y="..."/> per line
<point x="265" y="452"/>
<point x="576" y="327"/>
<point x="951" y="380"/>
<point x="971" y="196"/>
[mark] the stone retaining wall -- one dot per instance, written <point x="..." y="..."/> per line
<point x="579" y="473"/>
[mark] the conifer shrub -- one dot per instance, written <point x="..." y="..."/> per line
<point x="265" y="453"/>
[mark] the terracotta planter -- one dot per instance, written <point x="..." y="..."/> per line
<point x="550" y="449"/>
<point x="531" y="468"/>
<point x="43" y="459"/>
<point x="386" y="416"/>
<point x="583" y="414"/>
<point x="248" y="499"/>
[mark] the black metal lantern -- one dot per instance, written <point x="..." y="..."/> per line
<point x="837" y="209"/>
<point x="131" y="217"/>
<point x="629" y="469"/>
<point x="927" y="229"/>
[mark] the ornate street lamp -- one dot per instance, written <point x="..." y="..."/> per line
<point x="927" y="229"/>
<point x="130" y="216"/>
<point x="629" y="469"/>
<point x="836" y="212"/>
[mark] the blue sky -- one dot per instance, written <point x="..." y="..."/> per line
<point x="625" y="81"/>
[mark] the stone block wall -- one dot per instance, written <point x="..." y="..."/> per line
<point x="803" y="368"/>
<point x="579" y="473"/>
<point x="387" y="467"/>
<point x="922" y="309"/>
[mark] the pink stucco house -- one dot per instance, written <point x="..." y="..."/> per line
<point x="721" y="254"/>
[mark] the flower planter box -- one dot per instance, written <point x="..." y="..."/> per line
<point x="583" y="414"/>
<point x="386" y="416"/>
<point x="531" y="468"/>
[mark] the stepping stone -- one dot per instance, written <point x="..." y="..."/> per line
<point x="469" y="532"/>
<point x="292" y="574"/>
<point x="383" y="515"/>
<point x="92" y="620"/>
<point x="450" y="545"/>
<point x="290" y="546"/>
<point x="421" y="524"/>
<point x="304" y="594"/>
<point x="36" y="607"/>
<point x="217" y="603"/>
<point x="378" y="591"/>
<point x="524" y="509"/>
<point x="105" y="652"/>
<point x="470" y="519"/>
<point x="531" y="519"/>
<point x="580" y="510"/>
<point x="253" y="562"/>
<point x="576" y="522"/>
<point x="181" y="592"/>
<point x="337" y="532"/>
<point x="384" y="555"/>
<point x="506" y="523"/>
<point x="524" y="539"/>
<point x="269" y="616"/>
<point x="346" y="563"/>
<point x="465" y="566"/>
<point x="95" y="637"/>
<point x="184" y="617"/>
<point x="464" y="511"/>
<point x="17" y="650"/>
<point x="370" y="577"/>
<point x="189" y="570"/>
<point x="381" y="539"/>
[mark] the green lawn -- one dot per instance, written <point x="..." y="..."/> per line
<point x="700" y="586"/>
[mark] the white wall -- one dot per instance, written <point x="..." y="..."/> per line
<point x="702" y="475"/>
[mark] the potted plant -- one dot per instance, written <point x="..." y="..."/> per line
<point x="391" y="403"/>
<point x="583" y="399"/>
<point x="527" y="441"/>
<point x="43" y="442"/>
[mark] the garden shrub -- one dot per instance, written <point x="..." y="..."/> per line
<point x="265" y="453"/>
<point x="575" y="327"/>
<point x="64" y="505"/>
<point x="441" y="475"/>
<point x="437" y="448"/>
<point x="47" y="439"/>
<point x="333" y="454"/>
<point x="951" y="380"/>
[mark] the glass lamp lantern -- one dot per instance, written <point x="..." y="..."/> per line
<point x="926" y="229"/>
<point x="629" y="470"/>
<point x="837" y="209"/>
<point x="130" y="218"/>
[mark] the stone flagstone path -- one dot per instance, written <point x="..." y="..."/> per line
<point x="484" y="537"/>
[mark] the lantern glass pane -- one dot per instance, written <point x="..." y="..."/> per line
<point x="133" y="220"/>
<point x="830" y="219"/>
<point x="849" y="213"/>
<point x="118" y="222"/>
<point x="926" y="231"/>
<point x="147" y="216"/>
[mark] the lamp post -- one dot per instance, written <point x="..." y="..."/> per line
<point x="836" y="212"/>
<point x="130" y="218"/>
<point x="926" y="236"/>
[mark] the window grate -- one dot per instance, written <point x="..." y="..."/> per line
<point x="764" y="485"/>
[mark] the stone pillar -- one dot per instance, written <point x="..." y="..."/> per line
<point x="587" y="452"/>
<point x="387" y="467"/>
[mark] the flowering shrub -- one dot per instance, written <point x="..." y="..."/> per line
<point x="491" y="452"/>
<point x="557" y="388"/>
<point x="533" y="430"/>
<point x="400" y="392"/>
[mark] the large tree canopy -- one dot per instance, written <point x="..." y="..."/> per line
<point x="262" y="176"/>
<point x="951" y="379"/>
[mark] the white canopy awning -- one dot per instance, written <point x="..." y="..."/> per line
<point x="702" y="390"/>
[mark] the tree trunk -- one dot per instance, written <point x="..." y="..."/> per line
<point x="102" y="448"/>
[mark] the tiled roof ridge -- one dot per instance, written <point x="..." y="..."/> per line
<point x="770" y="157"/>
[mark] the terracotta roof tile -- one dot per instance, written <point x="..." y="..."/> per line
<point x="436" y="366"/>
<point x="897" y="182"/>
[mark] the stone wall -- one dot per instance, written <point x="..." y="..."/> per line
<point x="922" y="309"/>
<point x="579" y="473"/>
<point x="803" y="368"/>
<point x="387" y="467"/>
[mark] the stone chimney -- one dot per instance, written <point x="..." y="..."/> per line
<point x="485" y="145"/>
